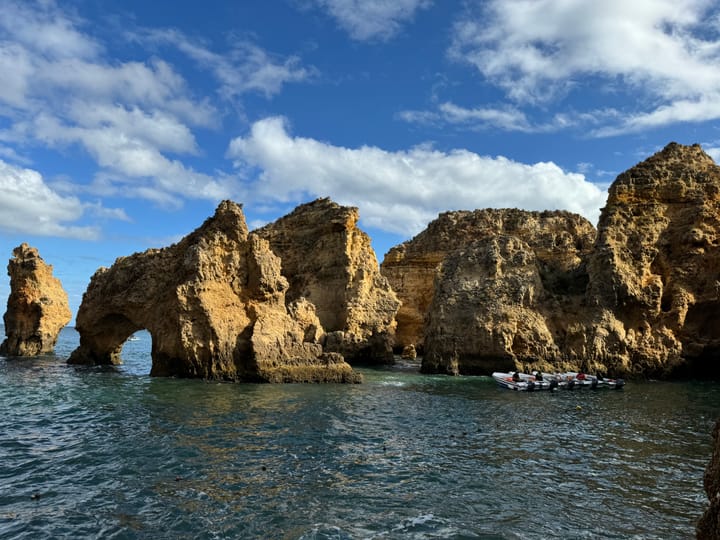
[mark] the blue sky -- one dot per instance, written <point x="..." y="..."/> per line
<point x="123" y="123"/>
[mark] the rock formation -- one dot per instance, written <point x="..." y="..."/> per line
<point x="490" y="289"/>
<point x="708" y="528"/>
<point x="37" y="307"/>
<point x="655" y="268"/>
<point x="215" y="306"/>
<point x="327" y="259"/>
<point x="507" y="289"/>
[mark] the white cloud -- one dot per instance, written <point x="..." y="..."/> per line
<point x="402" y="191"/>
<point x="246" y="68"/>
<point x="28" y="205"/>
<point x="47" y="29"/>
<point x="136" y="119"/>
<point x="506" y="118"/>
<point x="665" y="52"/>
<point x="372" y="19"/>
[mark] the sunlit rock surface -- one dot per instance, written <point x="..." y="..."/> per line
<point x="37" y="307"/>
<point x="655" y="270"/>
<point x="507" y="289"/>
<point x="490" y="289"/>
<point x="215" y="306"/>
<point x="327" y="259"/>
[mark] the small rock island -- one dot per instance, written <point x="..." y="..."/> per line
<point x="37" y="307"/>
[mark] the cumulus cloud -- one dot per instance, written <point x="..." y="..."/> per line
<point x="137" y="119"/>
<point x="372" y="19"/>
<point x="666" y="52"/>
<point x="29" y="206"/>
<point x="401" y="191"/>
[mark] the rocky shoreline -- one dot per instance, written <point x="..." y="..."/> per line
<point x="303" y="298"/>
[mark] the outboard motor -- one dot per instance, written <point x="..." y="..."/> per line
<point x="553" y="384"/>
<point x="530" y="386"/>
<point x="571" y="384"/>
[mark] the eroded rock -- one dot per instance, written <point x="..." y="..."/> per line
<point x="490" y="289"/>
<point x="655" y="268"/>
<point x="215" y="306"/>
<point x="37" y="307"/>
<point x="327" y="259"/>
<point x="507" y="289"/>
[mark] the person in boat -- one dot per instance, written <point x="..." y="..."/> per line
<point x="581" y="376"/>
<point x="538" y="376"/>
<point x="516" y="376"/>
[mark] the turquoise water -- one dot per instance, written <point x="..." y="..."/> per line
<point x="113" y="453"/>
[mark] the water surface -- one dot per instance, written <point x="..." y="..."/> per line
<point x="113" y="453"/>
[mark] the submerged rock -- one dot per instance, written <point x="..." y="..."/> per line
<point x="327" y="259"/>
<point x="215" y="306"/>
<point x="37" y="307"/>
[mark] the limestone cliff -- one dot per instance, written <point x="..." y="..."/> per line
<point x="215" y="306"/>
<point x="37" y="307"/>
<point x="327" y="259"/>
<point x="503" y="289"/>
<point x="654" y="272"/>
<point x="490" y="289"/>
<point x="708" y="528"/>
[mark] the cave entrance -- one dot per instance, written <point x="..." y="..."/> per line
<point x="136" y="354"/>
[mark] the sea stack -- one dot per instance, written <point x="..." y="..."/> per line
<point x="327" y="259"/>
<point x="507" y="289"/>
<point x="215" y="306"/>
<point x="490" y="289"/>
<point x="37" y="307"/>
<point x="654" y="272"/>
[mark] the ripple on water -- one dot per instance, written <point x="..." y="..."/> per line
<point x="112" y="453"/>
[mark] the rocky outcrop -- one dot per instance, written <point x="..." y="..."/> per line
<point x="708" y="528"/>
<point x="560" y="241"/>
<point x="506" y="289"/>
<point x="37" y="307"/>
<point x="654" y="272"/>
<point x="215" y="306"/>
<point x="328" y="260"/>
<point x="491" y="289"/>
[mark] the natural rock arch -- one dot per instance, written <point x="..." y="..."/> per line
<point x="214" y="304"/>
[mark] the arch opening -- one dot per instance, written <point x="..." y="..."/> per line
<point x="136" y="354"/>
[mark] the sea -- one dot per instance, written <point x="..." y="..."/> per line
<point x="110" y="452"/>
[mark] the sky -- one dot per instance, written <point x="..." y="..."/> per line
<point x="124" y="123"/>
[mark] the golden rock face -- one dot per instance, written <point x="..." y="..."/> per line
<point x="329" y="261"/>
<point x="37" y="306"/>
<point x="508" y="289"/>
<point x="490" y="289"/>
<point x="215" y="306"/>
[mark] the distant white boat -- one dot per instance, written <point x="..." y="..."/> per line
<point x="133" y="338"/>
